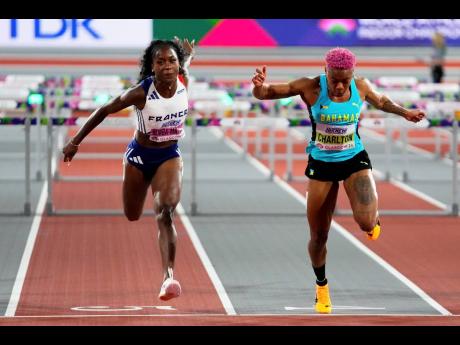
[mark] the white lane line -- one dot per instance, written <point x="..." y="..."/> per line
<point x="22" y="271"/>
<point x="194" y="315"/>
<point x="206" y="262"/>
<point x="25" y="260"/>
<point x="284" y="185"/>
<point x="105" y="315"/>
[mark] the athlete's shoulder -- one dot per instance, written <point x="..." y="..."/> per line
<point x="363" y="83"/>
<point x="134" y="96"/>
<point x="316" y="81"/>
<point x="313" y="84"/>
<point x="310" y="80"/>
<point x="181" y="84"/>
<point x="146" y="83"/>
<point x="313" y="80"/>
<point x="308" y="88"/>
<point x="364" y="86"/>
<point x="137" y="89"/>
<point x="306" y="83"/>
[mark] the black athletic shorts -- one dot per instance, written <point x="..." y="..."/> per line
<point x="337" y="171"/>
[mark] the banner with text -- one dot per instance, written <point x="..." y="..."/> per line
<point x="309" y="32"/>
<point x="75" y="33"/>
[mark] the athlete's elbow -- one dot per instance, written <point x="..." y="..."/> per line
<point x="383" y="102"/>
<point x="103" y="112"/>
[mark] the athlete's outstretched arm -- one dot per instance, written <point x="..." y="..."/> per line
<point x="132" y="96"/>
<point x="383" y="102"/>
<point x="262" y="90"/>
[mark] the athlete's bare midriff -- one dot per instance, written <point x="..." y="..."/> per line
<point x="144" y="140"/>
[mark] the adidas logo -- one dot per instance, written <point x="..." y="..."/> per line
<point x="136" y="159"/>
<point x="153" y="95"/>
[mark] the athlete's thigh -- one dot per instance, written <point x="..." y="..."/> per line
<point x="362" y="192"/>
<point x="134" y="188"/>
<point x="167" y="182"/>
<point x="322" y="197"/>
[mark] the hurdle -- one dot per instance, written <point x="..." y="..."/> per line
<point x="220" y="122"/>
<point x="16" y="99"/>
<point x="290" y="123"/>
<point x="235" y="116"/>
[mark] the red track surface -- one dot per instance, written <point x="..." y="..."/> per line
<point x="108" y="261"/>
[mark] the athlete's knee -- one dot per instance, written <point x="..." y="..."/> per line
<point x="165" y="213"/>
<point x="132" y="216"/>
<point x="319" y="238"/>
<point x="132" y="213"/>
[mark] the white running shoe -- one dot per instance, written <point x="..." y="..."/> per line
<point x="170" y="288"/>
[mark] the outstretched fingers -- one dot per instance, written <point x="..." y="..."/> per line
<point x="259" y="76"/>
<point x="262" y="71"/>
<point x="187" y="45"/>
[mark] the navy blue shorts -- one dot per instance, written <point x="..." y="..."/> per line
<point x="148" y="159"/>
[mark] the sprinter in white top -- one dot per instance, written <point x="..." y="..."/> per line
<point x="153" y="158"/>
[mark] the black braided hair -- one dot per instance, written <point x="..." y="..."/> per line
<point x="151" y="50"/>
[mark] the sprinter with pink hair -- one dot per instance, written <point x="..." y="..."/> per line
<point x="335" y="151"/>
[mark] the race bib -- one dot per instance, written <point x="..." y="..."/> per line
<point x="166" y="134"/>
<point x="336" y="138"/>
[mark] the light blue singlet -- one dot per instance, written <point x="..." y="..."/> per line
<point x="335" y="126"/>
